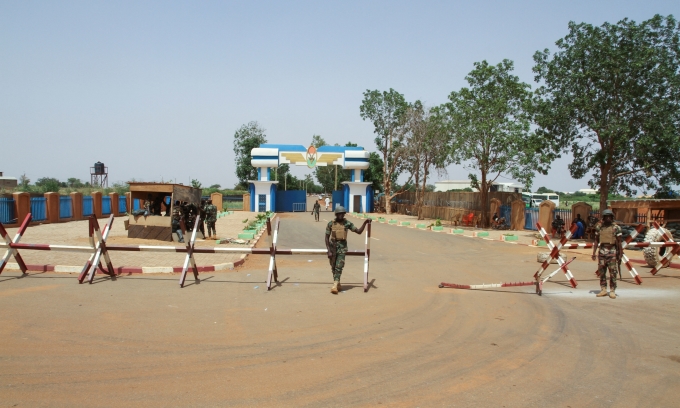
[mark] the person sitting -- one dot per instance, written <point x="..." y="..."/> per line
<point x="558" y="227"/>
<point x="580" y="228"/>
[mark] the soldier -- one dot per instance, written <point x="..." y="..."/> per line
<point x="336" y="243"/>
<point x="176" y="220"/>
<point x="608" y="239"/>
<point x="201" y="211"/>
<point x="315" y="210"/>
<point x="210" y="219"/>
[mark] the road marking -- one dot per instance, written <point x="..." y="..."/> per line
<point x="375" y="238"/>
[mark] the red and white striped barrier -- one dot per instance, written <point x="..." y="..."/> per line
<point x="486" y="285"/>
<point x="627" y="243"/>
<point x="100" y="248"/>
<point x="669" y="254"/>
<point x="555" y="254"/>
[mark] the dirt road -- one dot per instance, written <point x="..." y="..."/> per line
<point x="143" y="341"/>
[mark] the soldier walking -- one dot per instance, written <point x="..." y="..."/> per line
<point x="336" y="243"/>
<point x="176" y="221"/>
<point x="608" y="240"/>
<point x="201" y="212"/>
<point x="315" y="210"/>
<point x="211" y="219"/>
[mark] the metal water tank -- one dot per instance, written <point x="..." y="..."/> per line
<point x="99" y="168"/>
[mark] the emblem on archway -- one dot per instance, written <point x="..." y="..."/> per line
<point x="311" y="157"/>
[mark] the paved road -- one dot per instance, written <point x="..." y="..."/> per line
<point x="228" y="342"/>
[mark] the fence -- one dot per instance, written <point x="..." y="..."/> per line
<point x="531" y="218"/>
<point x="6" y="210"/>
<point x="445" y="205"/>
<point x="106" y="205"/>
<point x="87" y="206"/>
<point x="122" y="205"/>
<point x="39" y="208"/>
<point x="65" y="210"/>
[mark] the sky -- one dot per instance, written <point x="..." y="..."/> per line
<point x="156" y="90"/>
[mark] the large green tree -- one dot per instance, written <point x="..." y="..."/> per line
<point x="246" y="138"/>
<point x="611" y="95"/>
<point x="386" y="110"/>
<point x="490" y="128"/>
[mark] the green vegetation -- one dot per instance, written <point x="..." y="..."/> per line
<point x="246" y="138"/>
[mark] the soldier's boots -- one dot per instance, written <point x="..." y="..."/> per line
<point x="612" y="294"/>
<point x="339" y="286"/>
<point x="602" y="293"/>
<point x="334" y="289"/>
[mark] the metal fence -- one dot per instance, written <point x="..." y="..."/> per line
<point x="88" y="208"/>
<point x="6" y="210"/>
<point x="65" y="209"/>
<point x="106" y="205"/>
<point x="531" y="218"/>
<point x="39" y="208"/>
<point x="299" y="207"/>
<point x="122" y="205"/>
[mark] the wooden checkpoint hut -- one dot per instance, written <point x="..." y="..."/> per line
<point x="662" y="210"/>
<point x="157" y="225"/>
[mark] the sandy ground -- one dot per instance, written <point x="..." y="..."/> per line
<point x="143" y="341"/>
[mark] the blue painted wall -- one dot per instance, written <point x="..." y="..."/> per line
<point x="285" y="199"/>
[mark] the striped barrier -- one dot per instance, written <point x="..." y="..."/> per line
<point x="669" y="254"/>
<point x="555" y="254"/>
<point x="98" y="248"/>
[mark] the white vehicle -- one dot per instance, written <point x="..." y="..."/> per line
<point x="536" y="199"/>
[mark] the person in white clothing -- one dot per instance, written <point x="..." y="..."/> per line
<point x="327" y="202"/>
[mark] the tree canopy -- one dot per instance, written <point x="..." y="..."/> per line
<point x="611" y="95"/>
<point x="246" y="138"/>
<point x="490" y="128"/>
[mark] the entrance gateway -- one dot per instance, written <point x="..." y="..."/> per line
<point x="356" y="195"/>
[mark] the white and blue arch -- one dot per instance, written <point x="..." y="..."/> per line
<point x="269" y="156"/>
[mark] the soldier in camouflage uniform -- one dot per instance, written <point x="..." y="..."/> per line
<point x="176" y="220"/>
<point x="201" y="212"/>
<point x="336" y="243"/>
<point x="608" y="240"/>
<point x="211" y="219"/>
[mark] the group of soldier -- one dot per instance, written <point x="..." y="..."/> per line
<point x="184" y="218"/>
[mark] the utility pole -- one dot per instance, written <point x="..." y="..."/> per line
<point x="336" y="177"/>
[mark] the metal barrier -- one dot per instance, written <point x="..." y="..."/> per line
<point x="98" y="248"/>
<point x="530" y="218"/>
<point x="299" y="207"/>
<point x="65" y="210"/>
<point x="6" y="210"/>
<point x="39" y="208"/>
<point x="88" y="207"/>
<point x="122" y="205"/>
<point x="106" y="205"/>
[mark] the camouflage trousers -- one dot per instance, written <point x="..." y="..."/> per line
<point x="606" y="260"/>
<point x="337" y="261"/>
<point x="211" y="227"/>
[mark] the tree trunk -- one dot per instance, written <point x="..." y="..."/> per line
<point x="604" y="187"/>
<point x="484" y="196"/>
<point x="422" y="198"/>
<point x="418" y="194"/>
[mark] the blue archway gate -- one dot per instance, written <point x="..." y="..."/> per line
<point x="357" y="195"/>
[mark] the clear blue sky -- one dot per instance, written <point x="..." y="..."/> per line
<point x="157" y="89"/>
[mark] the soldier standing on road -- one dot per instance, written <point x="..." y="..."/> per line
<point x="176" y="220"/>
<point x="336" y="243"/>
<point x="608" y="240"/>
<point x="211" y="219"/>
<point x="315" y="210"/>
<point x="201" y="212"/>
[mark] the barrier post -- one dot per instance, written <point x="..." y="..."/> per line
<point x="190" y="255"/>
<point x="13" y="251"/>
<point x="367" y="255"/>
<point x="272" y="272"/>
<point x="555" y="254"/>
<point x="100" y="248"/>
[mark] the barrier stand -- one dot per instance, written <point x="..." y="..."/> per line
<point x="669" y="255"/>
<point x="273" y="237"/>
<point x="13" y="251"/>
<point x="190" y="255"/>
<point x="486" y="285"/>
<point x="94" y="263"/>
<point x="539" y="283"/>
<point x="554" y="254"/>
<point x="367" y="256"/>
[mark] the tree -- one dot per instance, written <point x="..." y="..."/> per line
<point x="73" y="182"/>
<point x="386" y="111"/>
<point x="24" y="181"/>
<point x="426" y="144"/>
<point x="246" y="138"/>
<point x="217" y="186"/>
<point x="195" y="183"/>
<point x="543" y="190"/>
<point x="611" y="95"/>
<point x="490" y="128"/>
<point x="48" y="185"/>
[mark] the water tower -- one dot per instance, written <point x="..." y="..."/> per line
<point x="99" y="175"/>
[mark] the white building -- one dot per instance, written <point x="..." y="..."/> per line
<point x="446" y="185"/>
<point x="587" y="191"/>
